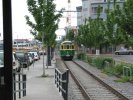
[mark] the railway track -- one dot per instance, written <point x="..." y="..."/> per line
<point x="92" y="88"/>
<point x="74" y="92"/>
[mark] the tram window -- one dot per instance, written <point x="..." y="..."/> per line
<point x="72" y="47"/>
<point x="67" y="46"/>
<point x="62" y="47"/>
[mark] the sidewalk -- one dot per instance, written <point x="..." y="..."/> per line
<point x="38" y="87"/>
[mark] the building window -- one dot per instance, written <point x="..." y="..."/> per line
<point x="106" y="10"/>
<point x="94" y="9"/>
<point x="85" y="9"/>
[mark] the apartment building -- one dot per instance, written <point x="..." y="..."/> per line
<point x="89" y="9"/>
<point x="79" y="16"/>
<point x="104" y="5"/>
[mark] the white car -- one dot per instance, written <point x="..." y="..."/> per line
<point x="124" y="52"/>
<point x="31" y="58"/>
<point x="35" y="54"/>
<point x="42" y="52"/>
<point x="16" y="64"/>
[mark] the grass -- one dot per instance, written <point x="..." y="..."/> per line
<point x="109" y="71"/>
<point x="123" y="79"/>
<point x="115" y="69"/>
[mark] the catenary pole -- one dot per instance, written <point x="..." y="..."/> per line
<point x="7" y="37"/>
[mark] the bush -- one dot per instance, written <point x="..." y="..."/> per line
<point x="81" y="56"/>
<point x="118" y="69"/>
<point x="110" y="61"/>
<point x="99" y="62"/>
<point x="108" y="71"/>
<point x="89" y="59"/>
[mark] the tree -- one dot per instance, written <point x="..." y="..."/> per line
<point x="126" y="21"/>
<point x="114" y="34"/>
<point x="45" y="23"/>
<point x="70" y="35"/>
<point x="97" y="30"/>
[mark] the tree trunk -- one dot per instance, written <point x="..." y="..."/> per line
<point x="52" y="52"/>
<point x="48" y="56"/>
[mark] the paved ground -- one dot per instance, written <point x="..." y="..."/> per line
<point x="38" y="87"/>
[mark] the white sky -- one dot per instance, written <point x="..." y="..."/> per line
<point x="19" y="10"/>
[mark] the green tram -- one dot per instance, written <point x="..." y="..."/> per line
<point x="67" y="50"/>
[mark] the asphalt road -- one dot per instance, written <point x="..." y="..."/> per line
<point x="124" y="58"/>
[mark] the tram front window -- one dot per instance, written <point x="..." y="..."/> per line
<point x="67" y="46"/>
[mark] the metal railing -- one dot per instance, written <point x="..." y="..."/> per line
<point x="61" y="81"/>
<point x="19" y="84"/>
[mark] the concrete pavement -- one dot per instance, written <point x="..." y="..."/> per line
<point x="38" y="87"/>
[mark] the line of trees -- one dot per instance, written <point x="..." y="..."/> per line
<point x="115" y="30"/>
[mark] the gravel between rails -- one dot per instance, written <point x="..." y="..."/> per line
<point x="124" y="88"/>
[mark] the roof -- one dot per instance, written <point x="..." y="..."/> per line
<point x="21" y="40"/>
<point x="65" y="42"/>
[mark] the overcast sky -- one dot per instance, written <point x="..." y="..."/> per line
<point x="19" y="10"/>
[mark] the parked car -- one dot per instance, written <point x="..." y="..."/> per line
<point x="23" y="58"/>
<point x="124" y="52"/>
<point x="31" y="58"/>
<point x="42" y="52"/>
<point x="35" y="54"/>
<point x="16" y="64"/>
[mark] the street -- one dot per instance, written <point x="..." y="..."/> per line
<point x="124" y="58"/>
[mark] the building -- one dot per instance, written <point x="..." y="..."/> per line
<point x="79" y="15"/>
<point x="104" y="6"/>
<point x="89" y="9"/>
<point x="25" y="44"/>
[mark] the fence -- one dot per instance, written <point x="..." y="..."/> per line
<point x="61" y="81"/>
<point x="19" y="84"/>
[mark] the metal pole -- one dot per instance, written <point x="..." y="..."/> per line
<point x="7" y="37"/>
<point x="19" y="85"/>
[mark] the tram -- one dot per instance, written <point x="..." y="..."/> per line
<point x="67" y="50"/>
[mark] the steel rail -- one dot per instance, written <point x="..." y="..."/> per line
<point x="83" y="90"/>
<point x="114" y="91"/>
